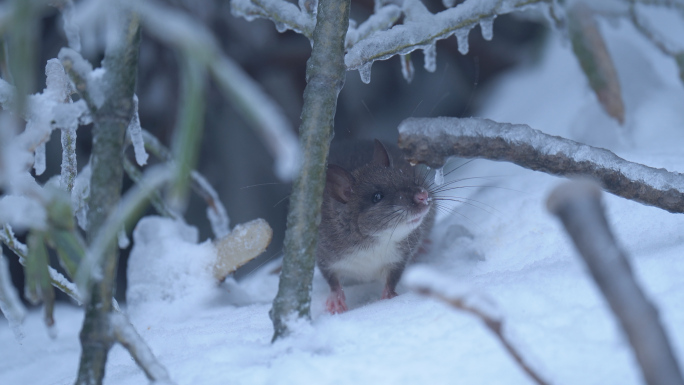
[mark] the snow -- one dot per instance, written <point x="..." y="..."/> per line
<point x="22" y="213"/>
<point x="516" y="255"/>
<point x="10" y="304"/>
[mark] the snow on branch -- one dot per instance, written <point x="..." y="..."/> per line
<point x="578" y="206"/>
<point x="56" y="278"/>
<point x="660" y="42"/>
<point x="285" y="15"/>
<point x="428" y="282"/>
<point x="433" y="140"/>
<point x="10" y="304"/>
<point x="421" y="30"/>
<point x="128" y="337"/>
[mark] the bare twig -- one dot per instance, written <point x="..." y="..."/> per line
<point x="578" y="205"/>
<point x="128" y="337"/>
<point x="433" y="140"/>
<point x="433" y="286"/>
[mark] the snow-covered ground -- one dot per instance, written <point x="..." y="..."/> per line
<point x="510" y="250"/>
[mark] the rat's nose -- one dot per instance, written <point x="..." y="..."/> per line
<point x="421" y="197"/>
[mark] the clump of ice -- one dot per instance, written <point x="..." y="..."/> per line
<point x="168" y="270"/>
<point x="79" y="196"/>
<point x="135" y="131"/>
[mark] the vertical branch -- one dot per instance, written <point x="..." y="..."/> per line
<point x="325" y="78"/>
<point x="578" y="205"/>
<point x="110" y="122"/>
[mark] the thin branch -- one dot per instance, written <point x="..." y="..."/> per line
<point x="433" y="140"/>
<point x="578" y="206"/>
<point x="10" y="304"/>
<point x="429" y="284"/>
<point x="156" y="198"/>
<point x="128" y="337"/>
<point x="325" y="78"/>
<point x="656" y="39"/>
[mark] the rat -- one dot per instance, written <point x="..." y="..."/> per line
<point x="376" y="213"/>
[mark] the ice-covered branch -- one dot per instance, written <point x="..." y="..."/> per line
<point x="10" y="304"/>
<point x="433" y="140"/>
<point x="216" y="212"/>
<point x="578" y="205"/>
<point x="56" y="278"/>
<point x="421" y="30"/>
<point x="430" y="283"/>
<point x="285" y="15"/>
<point x="325" y="77"/>
<point x="656" y="39"/>
<point x="128" y="337"/>
<point x="380" y="20"/>
<point x="155" y="199"/>
<point x="110" y="99"/>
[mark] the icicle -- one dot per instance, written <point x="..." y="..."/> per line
<point x="430" y="55"/>
<point x="39" y="159"/>
<point x="69" y="170"/>
<point x="439" y="176"/>
<point x="280" y="27"/>
<point x="80" y="195"/>
<point x="407" y="67"/>
<point x="462" y="36"/>
<point x="487" y="28"/>
<point x="365" y="72"/>
<point x="135" y="131"/>
<point x="123" y="240"/>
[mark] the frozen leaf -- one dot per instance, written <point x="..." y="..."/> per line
<point x="243" y="244"/>
<point x="70" y="249"/>
<point x="592" y="54"/>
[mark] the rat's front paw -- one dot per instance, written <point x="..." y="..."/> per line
<point x="336" y="303"/>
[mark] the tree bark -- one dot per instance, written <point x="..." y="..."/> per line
<point x="110" y="122"/>
<point x="325" y="78"/>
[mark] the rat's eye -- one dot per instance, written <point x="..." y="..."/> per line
<point x="377" y="197"/>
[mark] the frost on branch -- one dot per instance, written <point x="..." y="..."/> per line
<point x="433" y="140"/>
<point x="10" y="304"/>
<point x="285" y="15"/>
<point x="421" y="29"/>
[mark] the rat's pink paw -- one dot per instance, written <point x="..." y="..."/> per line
<point x="336" y="303"/>
<point x="388" y="293"/>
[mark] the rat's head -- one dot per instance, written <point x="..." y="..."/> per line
<point x="379" y="196"/>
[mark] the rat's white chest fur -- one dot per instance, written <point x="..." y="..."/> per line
<point x="373" y="262"/>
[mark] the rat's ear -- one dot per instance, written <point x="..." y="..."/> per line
<point x="338" y="183"/>
<point x="380" y="155"/>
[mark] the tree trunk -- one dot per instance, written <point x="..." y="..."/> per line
<point x="110" y="122"/>
<point x="325" y="77"/>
